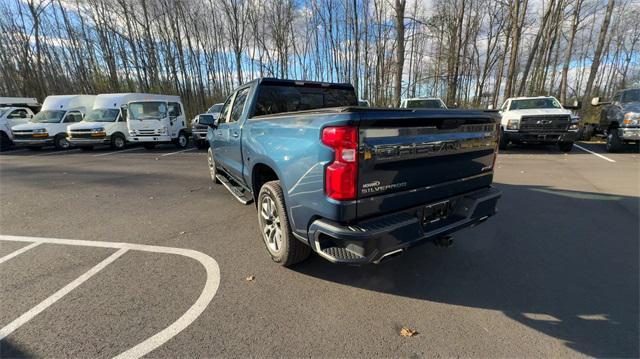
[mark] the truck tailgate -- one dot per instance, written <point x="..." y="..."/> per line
<point x="412" y="158"/>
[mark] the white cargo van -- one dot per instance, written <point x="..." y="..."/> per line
<point x="14" y="111"/>
<point x="49" y="126"/>
<point x="106" y="123"/>
<point x="157" y="119"/>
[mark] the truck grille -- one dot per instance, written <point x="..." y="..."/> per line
<point x="22" y="136"/>
<point x="80" y="134"/>
<point x="146" y="132"/>
<point x="545" y="123"/>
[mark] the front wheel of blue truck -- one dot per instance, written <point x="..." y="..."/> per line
<point x="278" y="238"/>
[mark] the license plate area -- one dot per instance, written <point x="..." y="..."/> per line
<point x="437" y="212"/>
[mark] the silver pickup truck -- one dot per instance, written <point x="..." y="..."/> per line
<point x="201" y="123"/>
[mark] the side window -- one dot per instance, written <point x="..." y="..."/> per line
<point x="224" y="112"/>
<point x="73" y="116"/>
<point x="18" y="114"/>
<point x="238" y="104"/>
<point x="174" y="109"/>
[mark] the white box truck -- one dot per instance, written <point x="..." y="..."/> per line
<point x="14" y="111"/>
<point x="49" y="126"/>
<point x="106" y="123"/>
<point x="157" y="119"/>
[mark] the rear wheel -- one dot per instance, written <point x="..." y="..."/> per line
<point x="60" y="142"/>
<point x="118" y="142"/>
<point x="278" y="238"/>
<point x="182" y="141"/>
<point x="149" y="146"/>
<point x="5" y="142"/>
<point x="614" y="143"/>
<point x="565" y="146"/>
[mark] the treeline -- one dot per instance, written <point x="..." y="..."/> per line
<point x="469" y="52"/>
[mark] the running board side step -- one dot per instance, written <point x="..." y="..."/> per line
<point x="237" y="191"/>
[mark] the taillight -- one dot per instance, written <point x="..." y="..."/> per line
<point x="341" y="175"/>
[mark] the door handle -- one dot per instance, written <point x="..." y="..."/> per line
<point x="235" y="134"/>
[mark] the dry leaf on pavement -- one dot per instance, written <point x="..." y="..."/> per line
<point x="406" y="332"/>
<point x="250" y="278"/>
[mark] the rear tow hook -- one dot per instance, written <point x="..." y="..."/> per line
<point x="444" y="241"/>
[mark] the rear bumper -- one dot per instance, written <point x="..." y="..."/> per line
<point x="372" y="240"/>
<point x="541" y="137"/>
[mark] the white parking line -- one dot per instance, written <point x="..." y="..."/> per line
<point x="17" y="323"/>
<point x="115" y="152"/>
<point x="58" y="152"/>
<point x="18" y="252"/>
<point x="208" y="292"/>
<point x="173" y="153"/>
<point x="595" y="154"/>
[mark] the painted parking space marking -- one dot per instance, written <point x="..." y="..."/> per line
<point x="18" y="252"/>
<point x="208" y="292"/>
<point x="594" y="153"/>
<point x="59" y="152"/>
<point x="115" y="152"/>
<point x="173" y="153"/>
<point x="17" y="323"/>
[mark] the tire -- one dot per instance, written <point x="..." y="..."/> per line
<point x="565" y="146"/>
<point x="202" y="145"/>
<point x="213" y="170"/>
<point x="274" y="224"/>
<point x="503" y="141"/>
<point x="118" y="142"/>
<point x="149" y="146"/>
<point x="5" y="142"/>
<point x="60" y="142"/>
<point x="587" y="133"/>
<point x="614" y="143"/>
<point x="86" y="148"/>
<point x="183" y="140"/>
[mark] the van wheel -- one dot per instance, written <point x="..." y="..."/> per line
<point x="213" y="169"/>
<point x="614" y="144"/>
<point x="118" y="142"/>
<point x="182" y="141"/>
<point x="149" y="146"/>
<point x="278" y="238"/>
<point x="565" y="146"/>
<point x="60" y="142"/>
<point x="5" y="142"/>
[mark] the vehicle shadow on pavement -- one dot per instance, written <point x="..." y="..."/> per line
<point x="10" y="350"/>
<point x="564" y="263"/>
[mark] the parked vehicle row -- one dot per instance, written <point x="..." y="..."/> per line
<point x="86" y="121"/>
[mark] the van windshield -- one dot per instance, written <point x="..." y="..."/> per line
<point x="48" y="116"/>
<point x="147" y="110"/>
<point x="534" y="103"/>
<point x="102" y="115"/>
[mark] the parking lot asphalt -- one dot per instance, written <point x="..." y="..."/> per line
<point x="554" y="273"/>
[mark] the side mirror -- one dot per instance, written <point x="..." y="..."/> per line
<point x="576" y="105"/>
<point x="595" y="101"/>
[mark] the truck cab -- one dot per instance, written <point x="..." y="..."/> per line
<point x="49" y="126"/>
<point x="619" y="119"/>
<point x="157" y="119"/>
<point x="14" y="111"/>
<point x="538" y="120"/>
<point x="105" y="124"/>
<point x="423" y="103"/>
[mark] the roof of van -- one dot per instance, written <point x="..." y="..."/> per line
<point x="18" y="101"/>
<point x="67" y="102"/>
<point x="115" y="100"/>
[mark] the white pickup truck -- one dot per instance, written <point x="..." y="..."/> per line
<point x="106" y="123"/>
<point x="14" y="111"/>
<point x="49" y="126"/>
<point x="539" y="120"/>
<point x="157" y="119"/>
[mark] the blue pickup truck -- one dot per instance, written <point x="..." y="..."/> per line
<point x="356" y="185"/>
